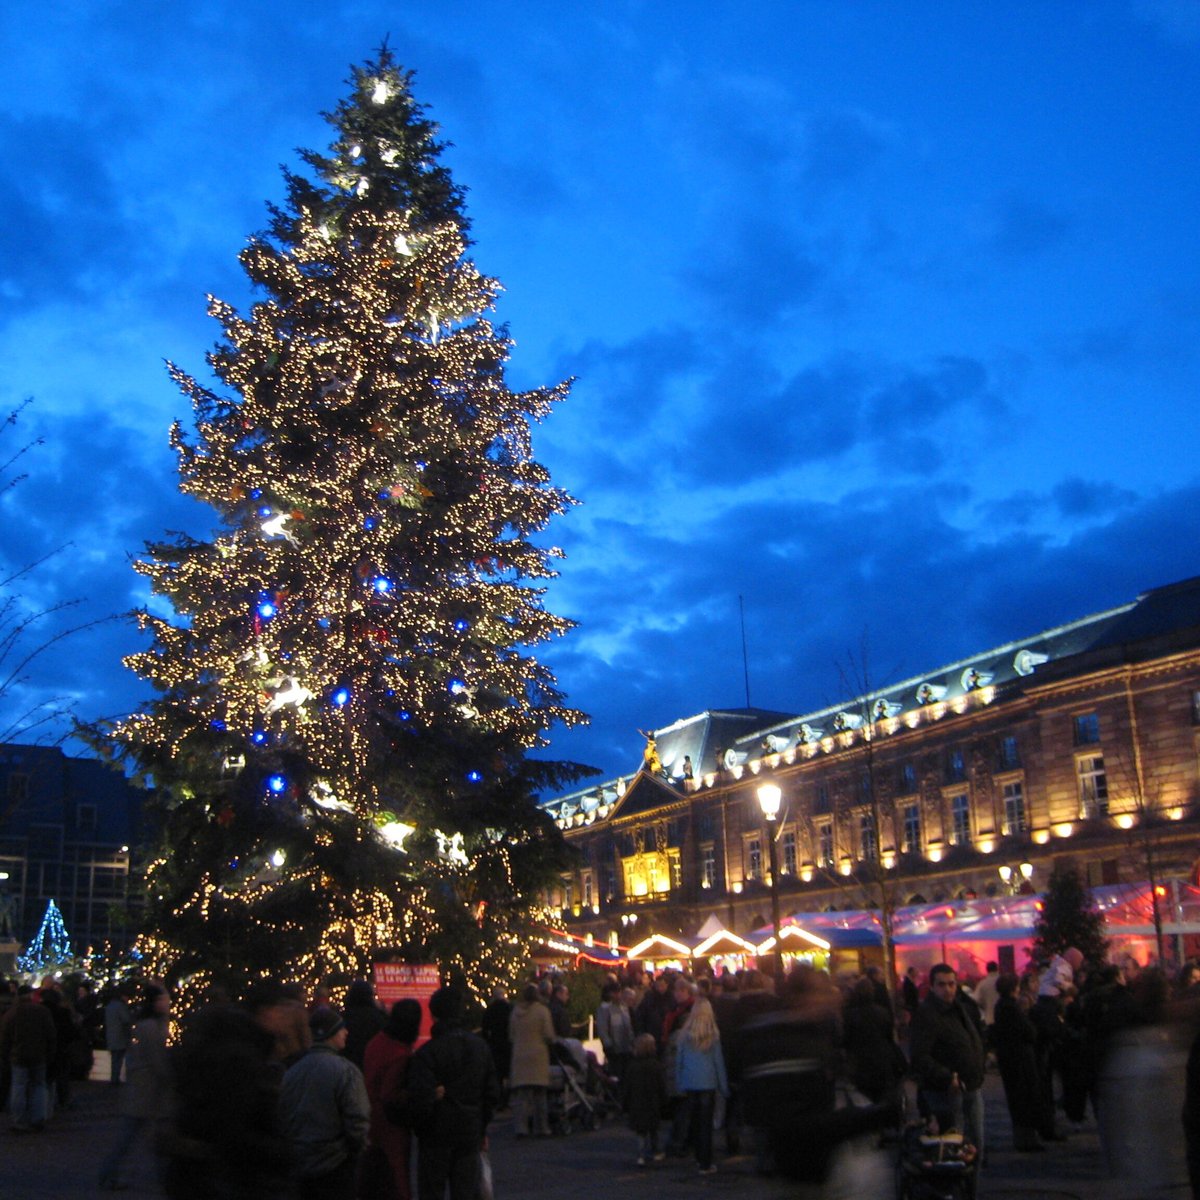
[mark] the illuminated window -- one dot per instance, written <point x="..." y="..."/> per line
<point x="587" y="889"/>
<point x="754" y="859"/>
<point x="708" y="867"/>
<point x="825" y="844"/>
<point x="1093" y="786"/>
<point x="960" y="819"/>
<point x="1087" y="729"/>
<point x="1014" y="808"/>
<point x="788" y="843"/>
<point x="912" y="828"/>
<point x="609" y="876"/>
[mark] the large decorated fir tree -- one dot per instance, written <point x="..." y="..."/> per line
<point x="347" y="693"/>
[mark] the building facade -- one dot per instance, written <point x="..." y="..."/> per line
<point x="1079" y="744"/>
<point x="67" y="826"/>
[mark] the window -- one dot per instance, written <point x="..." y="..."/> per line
<point x="18" y="788"/>
<point x="1093" y="786"/>
<point x="676" y="871"/>
<point x="1010" y="754"/>
<point x="704" y="827"/>
<point x="912" y="829"/>
<point x="788" y="844"/>
<point x="587" y="889"/>
<point x="908" y="778"/>
<point x="609" y="877"/>
<point x="1014" y="808"/>
<point x="821" y="798"/>
<point x="708" y="867"/>
<point x="568" y="894"/>
<point x="866" y="833"/>
<point x="754" y="859"/>
<point x="85" y="818"/>
<point x="956" y="766"/>
<point x="960" y="819"/>
<point x="825" y="844"/>
<point x="865" y="791"/>
<point x="1087" y="729"/>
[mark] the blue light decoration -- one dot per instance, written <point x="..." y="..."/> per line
<point x="382" y="585"/>
<point x="50" y="947"/>
<point x="474" y="776"/>
<point x="420" y="465"/>
<point x="255" y="493"/>
<point x="462" y="625"/>
<point x="341" y="697"/>
<point x="264" y="511"/>
<point x="266" y="609"/>
<point x="369" y="523"/>
<point x="259" y="737"/>
<point x="457" y="687"/>
<point x="404" y="715"/>
<point x="324" y="622"/>
<point x="217" y="724"/>
<point x="277" y="784"/>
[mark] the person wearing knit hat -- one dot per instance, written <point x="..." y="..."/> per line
<point x="325" y="1112"/>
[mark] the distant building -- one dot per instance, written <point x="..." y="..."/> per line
<point x="1081" y="743"/>
<point x="67" y="827"/>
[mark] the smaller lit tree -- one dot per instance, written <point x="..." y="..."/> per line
<point x="50" y="949"/>
<point x="1069" y="918"/>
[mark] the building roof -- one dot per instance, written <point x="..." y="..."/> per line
<point x="725" y="738"/>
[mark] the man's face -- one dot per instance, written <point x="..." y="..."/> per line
<point x="944" y="986"/>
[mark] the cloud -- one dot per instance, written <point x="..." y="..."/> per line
<point x="1024" y="227"/>
<point x="1086" y="499"/>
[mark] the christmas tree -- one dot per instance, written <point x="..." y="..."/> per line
<point x="51" y="946"/>
<point x="347" y="693"/>
<point x="1069" y="917"/>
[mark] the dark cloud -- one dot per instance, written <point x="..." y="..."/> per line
<point x="757" y="271"/>
<point x="1086" y="499"/>
<point x="1024" y="227"/>
<point x="840" y="147"/>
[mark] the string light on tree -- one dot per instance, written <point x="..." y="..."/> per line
<point x="372" y="676"/>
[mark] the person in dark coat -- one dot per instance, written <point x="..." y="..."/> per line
<point x="1014" y="1039"/>
<point x="227" y="1142"/>
<point x="645" y="1097"/>
<point x="948" y="1057"/>
<point x="364" y="1019"/>
<point x="494" y="1029"/>
<point x="28" y="1044"/>
<point x="875" y="1063"/>
<point x="453" y="1090"/>
<point x="653" y="1007"/>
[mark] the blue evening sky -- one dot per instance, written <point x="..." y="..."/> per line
<point x="885" y="316"/>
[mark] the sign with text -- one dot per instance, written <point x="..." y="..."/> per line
<point x="408" y="981"/>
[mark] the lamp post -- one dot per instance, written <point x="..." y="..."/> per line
<point x="1014" y="878"/>
<point x="769" y="797"/>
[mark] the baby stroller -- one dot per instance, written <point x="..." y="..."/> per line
<point x="933" y="1166"/>
<point x="581" y="1095"/>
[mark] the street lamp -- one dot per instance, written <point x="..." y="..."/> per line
<point x="1015" y="877"/>
<point x="769" y="797"/>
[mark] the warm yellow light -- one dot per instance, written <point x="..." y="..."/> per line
<point x="889" y="859"/>
<point x="1125" y="821"/>
<point x="806" y="873"/>
<point x="1040" y="836"/>
<point x="845" y="866"/>
<point x="935" y="854"/>
<point x="986" y="845"/>
<point x="1174" y="814"/>
<point x="769" y="798"/>
<point x="1063" y="829"/>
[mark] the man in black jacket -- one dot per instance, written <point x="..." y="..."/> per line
<point x="453" y="1090"/>
<point x="948" y="1056"/>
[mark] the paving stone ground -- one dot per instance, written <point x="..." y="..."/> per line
<point x="62" y="1161"/>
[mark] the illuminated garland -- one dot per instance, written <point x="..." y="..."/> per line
<point x="347" y="691"/>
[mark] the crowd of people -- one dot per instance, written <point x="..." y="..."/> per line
<point x="288" y="1094"/>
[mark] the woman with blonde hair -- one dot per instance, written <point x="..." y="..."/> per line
<point x="699" y="1075"/>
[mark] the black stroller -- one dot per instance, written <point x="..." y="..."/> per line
<point x="581" y="1095"/>
<point x="933" y="1166"/>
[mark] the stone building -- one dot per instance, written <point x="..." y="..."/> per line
<point x="1081" y="743"/>
<point x="67" y="826"/>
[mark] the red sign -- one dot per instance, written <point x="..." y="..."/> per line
<point x="408" y="981"/>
